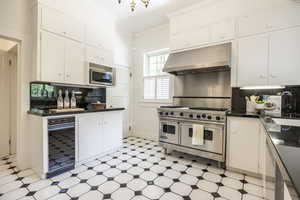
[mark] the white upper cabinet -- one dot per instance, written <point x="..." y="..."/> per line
<point x="53" y="21"/>
<point x="75" y="67"/>
<point x="284" y="57"/>
<point x="196" y="36"/>
<point x="223" y="30"/>
<point x="253" y="61"/>
<point x="52" y="57"/>
<point x="191" y="38"/>
<point x="99" y="36"/>
<point x="62" y="59"/>
<point x="74" y="28"/>
<point x="57" y="22"/>
<point x="269" y="59"/>
<point x="269" y="20"/>
<point x="253" y="24"/>
<point x="92" y="36"/>
<point x="99" y="56"/>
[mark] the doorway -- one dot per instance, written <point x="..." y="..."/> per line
<point x="8" y="100"/>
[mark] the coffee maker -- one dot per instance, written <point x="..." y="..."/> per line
<point x="288" y="104"/>
<point x="283" y="105"/>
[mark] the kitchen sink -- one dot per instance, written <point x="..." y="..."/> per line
<point x="287" y="122"/>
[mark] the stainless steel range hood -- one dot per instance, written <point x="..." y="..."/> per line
<point x="208" y="59"/>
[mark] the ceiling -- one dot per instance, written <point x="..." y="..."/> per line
<point x="143" y="18"/>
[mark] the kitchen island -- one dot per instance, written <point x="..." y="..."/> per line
<point x="62" y="141"/>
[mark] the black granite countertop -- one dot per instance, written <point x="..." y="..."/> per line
<point x="45" y="113"/>
<point x="286" y="142"/>
<point x="240" y="114"/>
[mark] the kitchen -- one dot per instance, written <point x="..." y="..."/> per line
<point x="161" y="107"/>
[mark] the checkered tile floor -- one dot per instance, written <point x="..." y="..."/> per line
<point x="138" y="171"/>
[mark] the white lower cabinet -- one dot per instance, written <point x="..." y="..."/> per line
<point x="89" y="136"/>
<point x="98" y="133"/>
<point x="243" y="144"/>
<point x="112" y="131"/>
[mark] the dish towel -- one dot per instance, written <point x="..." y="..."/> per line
<point x="198" y="134"/>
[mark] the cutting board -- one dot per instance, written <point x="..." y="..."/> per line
<point x="66" y="110"/>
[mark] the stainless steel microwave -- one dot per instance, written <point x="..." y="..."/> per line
<point x="101" y="75"/>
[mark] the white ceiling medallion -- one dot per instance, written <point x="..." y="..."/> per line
<point x="133" y="3"/>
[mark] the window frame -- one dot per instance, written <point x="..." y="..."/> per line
<point x="146" y="59"/>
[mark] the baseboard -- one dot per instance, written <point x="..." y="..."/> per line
<point x="145" y="136"/>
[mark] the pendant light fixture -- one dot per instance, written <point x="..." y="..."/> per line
<point x="133" y="4"/>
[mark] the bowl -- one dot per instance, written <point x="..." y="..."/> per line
<point x="98" y="106"/>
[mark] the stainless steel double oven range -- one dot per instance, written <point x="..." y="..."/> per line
<point x="176" y="131"/>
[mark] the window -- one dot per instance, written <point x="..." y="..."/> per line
<point x="156" y="82"/>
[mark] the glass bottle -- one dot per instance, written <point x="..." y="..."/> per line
<point x="66" y="100"/>
<point x="60" y="100"/>
<point x="73" y="100"/>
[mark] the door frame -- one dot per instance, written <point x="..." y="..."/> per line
<point x="19" y="92"/>
<point x="8" y="57"/>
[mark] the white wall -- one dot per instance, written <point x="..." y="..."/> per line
<point x="15" y="22"/>
<point x="145" y="119"/>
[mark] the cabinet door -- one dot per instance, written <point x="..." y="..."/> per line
<point x="53" y="20"/>
<point x="74" y="28"/>
<point x="89" y="132"/>
<point x="284" y="57"/>
<point x="285" y="17"/>
<point x="93" y="34"/>
<point x="253" y="24"/>
<point x="243" y="144"/>
<point x="223" y="30"/>
<point x="192" y="38"/>
<point x="94" y="55"/>
<point x="52" y="57"/>
<point x="74" y="69"/>
<point x="107" y="56"/>
<point x="112" y="130"/>
<point x="253" y="61"/>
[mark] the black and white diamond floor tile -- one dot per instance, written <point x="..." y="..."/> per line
<point x="138" y="171"/>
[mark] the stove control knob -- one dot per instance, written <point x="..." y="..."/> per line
<point x="161" y="113"/>
<point x="218" y="118"/>
<point x="209" y="117"/>
<point x="191" y="116"/>
<point x="172" y="113"/>
<point x="203" y="115"/>
<point x="167" y="113"/>
<point x="181" y="114"/>
<point x="198" y="116"/>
